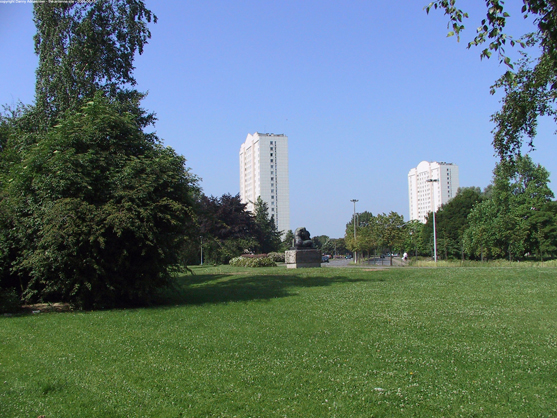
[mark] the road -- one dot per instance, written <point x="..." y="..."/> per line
<point x="385" y="262"/>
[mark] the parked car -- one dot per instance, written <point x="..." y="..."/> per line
<point x="324" y="259"/>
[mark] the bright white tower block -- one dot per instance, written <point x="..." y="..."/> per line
<point x="426" y="196"/>
<point x="264" y="173"/>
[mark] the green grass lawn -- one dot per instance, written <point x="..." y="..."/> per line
<point x="346" y="342"/>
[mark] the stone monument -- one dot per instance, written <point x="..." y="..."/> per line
<point x="302" y="254"/>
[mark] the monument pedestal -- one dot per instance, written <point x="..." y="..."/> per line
<point x="302" y="258"/>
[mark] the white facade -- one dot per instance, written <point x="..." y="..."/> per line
<point x="264" y="172"/>
<point x="427" y="196"/>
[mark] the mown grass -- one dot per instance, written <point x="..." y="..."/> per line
<point x="347" y="342"/>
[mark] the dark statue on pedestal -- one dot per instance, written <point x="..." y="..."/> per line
<point x="302" y="254"/>
<point x="302" y="239"/>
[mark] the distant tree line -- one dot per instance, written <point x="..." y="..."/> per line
<point x="514" y="218"/>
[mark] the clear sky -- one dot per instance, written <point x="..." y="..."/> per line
<point x="364" y="90"/>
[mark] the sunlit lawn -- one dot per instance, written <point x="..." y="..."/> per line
<point x="333" y="342"/>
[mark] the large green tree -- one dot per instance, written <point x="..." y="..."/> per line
<point x="452" y="222"/>
<point x="506" y="225"/>
<point x="85" y="47"/>
<point x="530" y="87"/>
<point x="96" y="211"/>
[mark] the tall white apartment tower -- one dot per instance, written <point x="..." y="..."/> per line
<point x="428" y="196"/>
<point x="264" y="172"/>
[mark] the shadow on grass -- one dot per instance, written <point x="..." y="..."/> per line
<point x="222" y="288"/>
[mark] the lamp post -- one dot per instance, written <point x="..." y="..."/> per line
<point x="434" y="228"/>
<point x="201" y="250"/>
<point x="354" y="219"/>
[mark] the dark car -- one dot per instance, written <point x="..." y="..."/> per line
<point x="324" y="259"/>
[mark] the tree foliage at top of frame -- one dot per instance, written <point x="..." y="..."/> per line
<point x="530" y="89"/>
<point x="87" y="47"/>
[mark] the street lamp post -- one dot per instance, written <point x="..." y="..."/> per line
<point x="201" y="250"/>
<point x="354" y="219"/>
<point x="434" y="226"/>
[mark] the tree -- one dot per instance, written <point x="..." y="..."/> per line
<point x="93" y="210"/>
<point x="412" y="240"/>
<point x="227" y="228"/>
<point x="85" y="47"/>
<point x="481" y="236"/>
<point x="319" y="241"/>
<point x="338" y="246"/>
<point x="268" y="236"/>
<point x="505" y="225"/>
<point x="363" y="221"/>
<point x="96" y="212"/>
<point x="287" y="241"/>
<point x="369" y="235"/>
<point x="452" y="222"/>
<point x="392" y="227"/>
<point x="529" y="90"/>
<point x="542" y="225"/>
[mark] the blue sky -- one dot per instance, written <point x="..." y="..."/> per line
<point x="364" y="91"/>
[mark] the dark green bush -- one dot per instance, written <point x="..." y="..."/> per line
<point x="98" y="210"/>
<point x="9" y="301"/>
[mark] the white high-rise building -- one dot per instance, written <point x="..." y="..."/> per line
<point x="264" y="173"/>
<point x="428" y="196"/>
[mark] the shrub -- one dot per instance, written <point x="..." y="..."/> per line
<point x="9" y="301"/>
<point x="252" y="262"/>
<point x="276" y="257"/>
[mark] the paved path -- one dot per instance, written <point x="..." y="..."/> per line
<point x="379" y="262"/>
